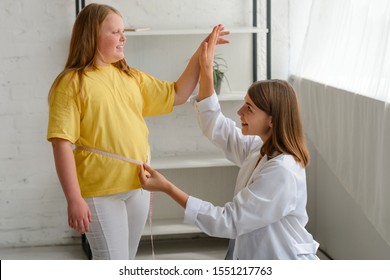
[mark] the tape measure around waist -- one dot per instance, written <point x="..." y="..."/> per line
<point x="129" y="160"/>
<point x="133" y="161"/>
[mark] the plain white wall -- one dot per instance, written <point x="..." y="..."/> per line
<point x="341" y="227"/>
<point x="33" y="50"/>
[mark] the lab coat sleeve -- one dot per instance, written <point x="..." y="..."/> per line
<point x="222" y="131"/>
<point x="271" y="196"/>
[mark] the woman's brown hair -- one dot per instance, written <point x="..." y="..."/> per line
<point x="83" y="44"/>
<point x="279" y="100"/>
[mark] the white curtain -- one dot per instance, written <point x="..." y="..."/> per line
<point x="347" y="45"/>
<point x="343" y="81"/>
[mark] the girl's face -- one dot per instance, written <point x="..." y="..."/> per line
<point x="110" y="40"/>
<point x="254" y="121"/>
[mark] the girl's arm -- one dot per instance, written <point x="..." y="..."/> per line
<point x="188" y="80"/>
<point x="79" y="215"/>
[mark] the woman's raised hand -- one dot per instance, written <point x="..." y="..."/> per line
<point x="206" y="58"/>
<point x="206" y="61"/>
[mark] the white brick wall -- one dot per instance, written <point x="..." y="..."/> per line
<point x="33" y="48"/>
<point x="34" y="44"/>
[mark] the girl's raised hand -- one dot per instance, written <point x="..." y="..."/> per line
<point x="222" y="32"/>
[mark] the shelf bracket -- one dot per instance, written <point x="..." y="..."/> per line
<point x="80" y="4"/>
<point x="255" y="38"/>
<point x="268" y="49"/>
<point x="254" y="41"/>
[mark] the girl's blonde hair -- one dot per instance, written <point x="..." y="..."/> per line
<point x="83" y="44"/>
<point x="278" y="99"/>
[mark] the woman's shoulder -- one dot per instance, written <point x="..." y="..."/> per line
<point x="286" y="163"/>
<point x="278" y="172"/>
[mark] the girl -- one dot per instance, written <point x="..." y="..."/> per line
<point x="98" y="103"/>
<point x="267" y="215"/>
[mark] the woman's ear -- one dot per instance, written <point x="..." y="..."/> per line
<point x="270" y="123"/>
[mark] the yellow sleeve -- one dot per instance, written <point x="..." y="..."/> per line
<point x="65" y="111"/>
<point x="158" y="96"/>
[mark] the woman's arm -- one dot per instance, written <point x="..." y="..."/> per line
<point x="270" y="197"/>
<point x="188" y="80"/>
<point x="155" y="182"/>
<point x="206" y="62"/>
<point x="79" y="215"/>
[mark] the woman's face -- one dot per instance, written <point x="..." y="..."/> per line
<point x="254" y="121"/>
<point x="110" y="40"/>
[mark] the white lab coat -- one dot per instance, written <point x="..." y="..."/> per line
<point x="267" y="215"/>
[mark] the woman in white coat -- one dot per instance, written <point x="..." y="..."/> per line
<point x="267" y="215"/>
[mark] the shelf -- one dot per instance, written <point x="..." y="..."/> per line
<point x="232" y="96"/>
<point x="195" y="31"/>
<point x="169" y="227"/>
<point x="190" y="161"/>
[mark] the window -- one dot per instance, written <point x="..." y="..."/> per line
<point x="347" y="45"/>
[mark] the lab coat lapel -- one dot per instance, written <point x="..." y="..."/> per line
<point x="246" y="172"/>
<point x="257" y="168"/>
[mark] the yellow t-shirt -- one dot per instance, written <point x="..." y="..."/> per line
<point x="108" y="116"/>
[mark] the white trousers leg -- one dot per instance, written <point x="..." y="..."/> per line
<point x="117" y="224"/>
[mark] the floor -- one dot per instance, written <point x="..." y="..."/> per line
<point x="180" y="249"/>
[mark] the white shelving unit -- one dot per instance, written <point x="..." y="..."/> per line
<point x="176" y="165"/>
<point x="198" y="160"/>
<point x="169" y="227"/>
<point x="231" y="96"/>
<point x="190" y="161"/>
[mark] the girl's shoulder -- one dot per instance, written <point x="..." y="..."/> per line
<point x="69" y="80"/>
<point x="69" y="76"/>
<point x="64" y="79"/>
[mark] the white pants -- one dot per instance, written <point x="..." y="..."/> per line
<point x="117" y="224"/>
